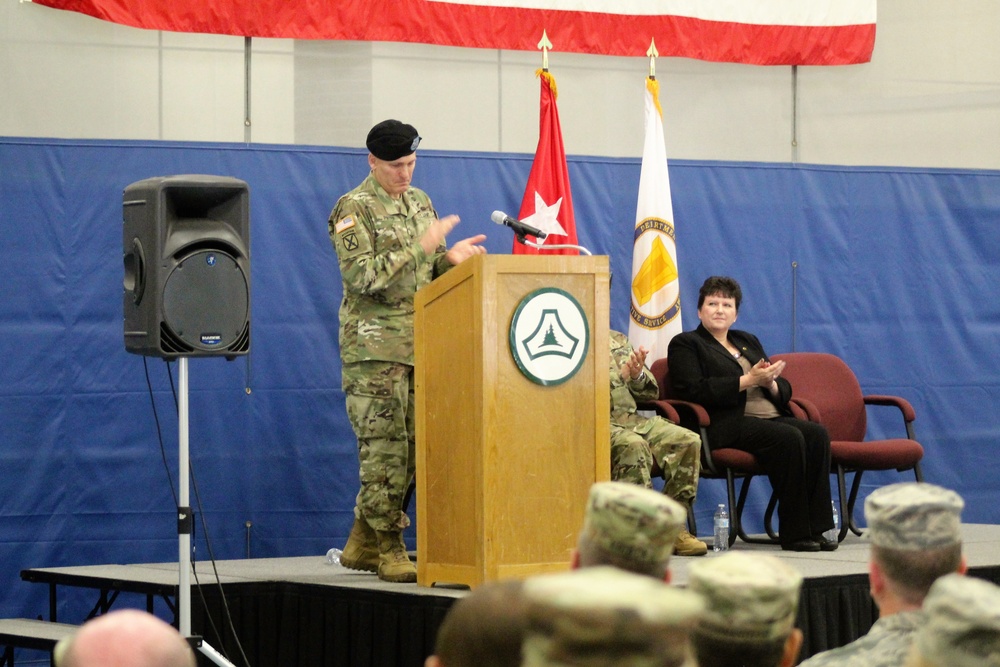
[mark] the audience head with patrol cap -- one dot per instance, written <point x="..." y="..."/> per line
<point x="915" y="531"/>
<point x="604" y="617"/>
<point x="392" y="147"/>
<point x="751" y="603"/>
<point x="124" y="638"/>
<point x="963" y="625"/>
<point x="629" y="527"/>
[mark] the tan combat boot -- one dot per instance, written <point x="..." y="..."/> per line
<point x="689" y="545"/>
<point x="394" y="563"/>
<point x="361" y="550"/>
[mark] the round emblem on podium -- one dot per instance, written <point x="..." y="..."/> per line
<point x="549" y="336"/>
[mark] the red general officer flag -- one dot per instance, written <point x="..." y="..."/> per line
<point x="548" y="201"/>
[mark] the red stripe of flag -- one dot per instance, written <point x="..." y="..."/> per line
<point x="494" y="28"/>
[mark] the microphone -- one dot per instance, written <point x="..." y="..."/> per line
<point x="519" y="227"/>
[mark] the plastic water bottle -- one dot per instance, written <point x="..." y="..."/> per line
<point x="834" y="532"/>
<point x="721" y="523"/>
<point x="333" y="556"/>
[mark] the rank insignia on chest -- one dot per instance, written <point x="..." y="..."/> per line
<point x="344" y="224"/>
<point x="350" y="241"/>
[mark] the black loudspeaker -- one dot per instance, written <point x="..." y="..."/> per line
<point x="186" y="245"/>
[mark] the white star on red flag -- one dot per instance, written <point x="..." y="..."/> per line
<point x="545" y="217"/>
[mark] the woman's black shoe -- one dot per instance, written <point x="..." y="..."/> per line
<point x="825" y="544"/>
<point x="804" y="544"/>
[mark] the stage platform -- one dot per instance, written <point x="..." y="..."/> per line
<point x="302" y="612"/>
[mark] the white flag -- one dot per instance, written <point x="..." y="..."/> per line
<point x="656" y="304"/>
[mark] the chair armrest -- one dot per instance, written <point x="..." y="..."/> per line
<point x="808" y="407"/>
<point x="909" y="414"/>
<point x="692" y="412"/>
<point x="684" y="413"/>
<point x="661" y="408"/>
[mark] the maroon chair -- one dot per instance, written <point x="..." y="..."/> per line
<point x="728" y="464"/>
<point x="826" y="388"/>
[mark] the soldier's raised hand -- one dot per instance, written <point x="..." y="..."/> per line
<point x="466" y="248"/>
<point x="437" y="232"/>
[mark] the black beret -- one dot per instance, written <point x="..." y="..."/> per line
<point x="392" y="139"/>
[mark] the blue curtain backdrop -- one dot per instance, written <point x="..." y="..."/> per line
<point x="895" y="271"/>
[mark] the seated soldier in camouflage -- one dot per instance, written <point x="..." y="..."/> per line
<point x="606" y="617"/>
<point x="638" y="442"/>
<point x="629" y="527"/>
<point x="751" y="603"/>
<point x="963" y="625"/>
<point x="915" y="532"/>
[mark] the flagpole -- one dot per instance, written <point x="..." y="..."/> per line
<point x="653" y="55"/>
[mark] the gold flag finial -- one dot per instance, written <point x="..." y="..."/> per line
<point x="652" y="53"/>
<point x="545" y="45"/>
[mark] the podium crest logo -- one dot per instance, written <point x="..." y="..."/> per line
<point x="549" y="336"/>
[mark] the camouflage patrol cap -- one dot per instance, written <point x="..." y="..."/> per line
<point x="963" y="623"/>
<point x="748" y="597"/>
<point x="602" y="615"/>
<point x="392" y="139"/>
<point x="913" y="516"/>
<point x="633" y="522"/>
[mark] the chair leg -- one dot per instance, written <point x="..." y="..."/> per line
<point x="855" y="487"/>
<point x="734" y="516"/>
<point x="692" y="522"/>
<point x="772" y="537"/>
<point x="846" y="518"/>
<point x="772" y="503"/>
<point x="744" y="490"/>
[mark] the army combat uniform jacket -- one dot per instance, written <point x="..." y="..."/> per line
<point x="886" y="644"/>
<point x="624" y="394"/>
<point x="382" y="264"/>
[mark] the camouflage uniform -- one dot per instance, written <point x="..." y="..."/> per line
<point x="909" y="516"/>
<point x="886" y="644"/>
<point x="637" y="527"/>
<point x="606" y="617"/>
<point x="963" y="624"/>
<point x="751" y="603"/>
<point x="377" y="239"/>
<point x="637" y="440"/>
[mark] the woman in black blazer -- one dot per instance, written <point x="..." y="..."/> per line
<point x="727" y="372"/>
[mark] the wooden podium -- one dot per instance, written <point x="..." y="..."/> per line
<point x="504" y="464"/>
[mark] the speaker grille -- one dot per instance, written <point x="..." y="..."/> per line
<point x="206" y="303"/>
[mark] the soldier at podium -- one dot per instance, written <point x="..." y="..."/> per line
<point x="637" y="442"/>
<point x="389" y="243"/>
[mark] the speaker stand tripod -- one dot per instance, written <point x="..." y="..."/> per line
<point x="185" y="520"/>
